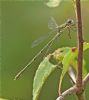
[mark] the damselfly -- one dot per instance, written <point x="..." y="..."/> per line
<point x="58" y="30"/>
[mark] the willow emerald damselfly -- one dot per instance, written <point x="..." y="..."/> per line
<point x="58" y="29"/>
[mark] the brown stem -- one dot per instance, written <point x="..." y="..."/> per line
<point x="80" y="92"/>
<point x="80" y="45"/>
<point x="81" y="97"/>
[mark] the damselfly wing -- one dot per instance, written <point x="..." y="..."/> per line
<point x="53" y="26"/>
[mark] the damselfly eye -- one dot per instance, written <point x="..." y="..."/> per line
<point x="70" y="22"/>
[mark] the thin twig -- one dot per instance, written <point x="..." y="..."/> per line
<point x="74" y="89"/>
<point x="70" y="91"/>
<point x="86" y="80"/>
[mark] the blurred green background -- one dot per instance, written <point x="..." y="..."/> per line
<point x="22" y="22"/>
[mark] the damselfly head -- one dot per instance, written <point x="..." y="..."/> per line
<point x="70" y="22"/>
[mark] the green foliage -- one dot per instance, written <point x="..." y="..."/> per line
<point x="44" y="70"/>
<point x="85" y="46"/>
<point x="67" y="57"/>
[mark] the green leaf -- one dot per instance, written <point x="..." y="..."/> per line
<point x="70" y="58"/>
<point x="44" y="70"/>
<point x="53" y="3"/>
<point x="85" y="46"/>
<point x="60" y="53"/>
<point x="66" y="64"/>
<point x="84" y="69"/>
<point x="67" y="61"/>
<point x="74" y="65"/>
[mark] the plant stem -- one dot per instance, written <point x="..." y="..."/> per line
<point x="80" y="44"/>
<point x="81" y="97"/>
<point x="80" y="92"/>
